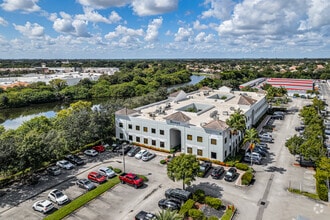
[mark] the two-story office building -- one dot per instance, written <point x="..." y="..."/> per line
<point x="195" y="123"/>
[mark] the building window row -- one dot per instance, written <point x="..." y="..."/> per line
<point x="145" y="129"/>
<point x="200" y="139"/>
<point x="145" y="140"/>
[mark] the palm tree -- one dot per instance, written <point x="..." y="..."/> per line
<point x="237" y="121"/>
<point x="168" y="215"/>
<point x="252" y="137"/>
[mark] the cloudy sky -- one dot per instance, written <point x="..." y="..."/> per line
<point x="116" y="29"/>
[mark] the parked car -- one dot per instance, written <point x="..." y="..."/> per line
<point x="277" y="117"/>
<point x="259" y="151"/>
<point x="279" y="113"/>
<point x="231" y="174"/>
<point x="254" y="160"/>
<point x="107" y="172"/>
<point x="143" y="215"/>
<point x="54" y="170"/>
<point x="217" y="172"/>
<point x="131" y="179"/>
<point x="65" y="164"/>
<point x="125" y="149"/>
<point x="96" y="177"/>
<point x="85" y="184"/>
<point x="148" y="156"/>
<point x="43" y="206"/>
<point x="204" y="167"/>
<point x="132" y="152"/>
<point x="91" y="152"/>
<point x="178" y="194"/>
<point x="265" y="135"/>
<point x="254" y="155"/>
<point x="141" y="153"/>
<point x="327" y="132"/>
<point x="75" y="159"/>
<point x="169" y="204"/>
<point x="266" y="139"/>
<point x="300" y="128"/>
<point x="58" y="197"/>
<point x="99" y="148"/>
<point x="264" y="145"/>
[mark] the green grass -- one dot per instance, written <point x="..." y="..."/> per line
<point x="228" y="214"/>
<point x="307" y="194"/>
<point x="82" y="200"/>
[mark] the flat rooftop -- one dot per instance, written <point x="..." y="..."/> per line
<point x="200" y="107"/>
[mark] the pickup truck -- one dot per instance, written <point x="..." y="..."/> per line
<point x="131" y="179"/>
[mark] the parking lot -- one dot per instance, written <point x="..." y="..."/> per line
<point x="267" y="198"/>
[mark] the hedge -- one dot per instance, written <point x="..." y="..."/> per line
<point x="196" y="214"/>
<point x="186" y="207"/>
<point x="229" y="213"/>
<point x="213" y="218"/>
<point x="247" y="178"/>
<point x="213" y="202"/>
<point x="242" y="166"/>
<point x="199" y="196"/>
<point x="82" y="200"/>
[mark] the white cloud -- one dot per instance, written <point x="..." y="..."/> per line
<point x="318" y="13"/>
<point x="20" y="5"/>
<point x="125" y="37"/>
<point x="154" y="7"/>
<point x="184" y="34"/>
<point x="114" y="17"/>
<point x="220" y="9"/>
<point x="92" y="15"/>
<point x="3" y="22"/>
<point x="30" y="30"/>
<point x="68" y="25"/>
<point x="198" y="26"/>
<point x="101" y="4"/>
<point x="152" y="31"/>
<point x="202" y="37"/>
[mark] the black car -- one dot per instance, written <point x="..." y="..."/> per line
<point x="204" y="168"/>
<point x="133" y="151"/>
<point x="75" y="159"/>
<point x="217" y="172"/>
<point x="143" y="215"/>
<point x="178" y="194"/>
<point x="169" y="204"/>
<point x="125" y="149"/>
<point x="231" y="174"/>
<point x="259" y="151"/>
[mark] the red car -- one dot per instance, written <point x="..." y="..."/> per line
<point x="99" y="148"/>
<point x="96" y="177"/>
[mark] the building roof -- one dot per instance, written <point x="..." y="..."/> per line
<point x="245" y="100"/>
<point x="178" y="116"/>
<point x="216" y="125"/>
<point x="125" y="111"/>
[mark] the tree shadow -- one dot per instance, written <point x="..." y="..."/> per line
<point x="210" y="189"/>
<point x="280" y="170"/>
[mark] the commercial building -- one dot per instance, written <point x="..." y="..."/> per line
<point x="194" y="123"/>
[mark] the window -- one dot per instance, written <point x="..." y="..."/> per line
<point x="145" y="140"/>
<point x="137" y="128"/>
<point x="225" y="140"/>
<point x="189" y="150"/>
<point x="130" y="137"/>
<point x="153" y="130"/>
<point x="230" y="148"/>
<point x="214" y="141"/>
<point x="213" y="155"/>
<point x="121" y="135"/>
<point x="225" y="153"/>
<point x="199" y="139"/>
<point x="121" y="124"/>
<point x="162" y="144"/>
<point x="200" y="152"/>
<point x="145" y="129"/>
<point x="137" y="139"/>
<point x="189" y="137"/>
<point x="129" y="126"/>
<point x="153" y="142"/>
<point x="161" y="132"/>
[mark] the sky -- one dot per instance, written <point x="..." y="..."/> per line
<point x="164" y="29"/>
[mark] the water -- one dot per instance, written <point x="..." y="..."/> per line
<point x="13" y="118"/>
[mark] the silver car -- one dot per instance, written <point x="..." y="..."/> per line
<point x="106" y="171"/>
<point x="58" y="197"/>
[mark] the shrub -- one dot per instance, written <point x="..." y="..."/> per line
<point x="322" y="191"/>
<point x="213" y="202"/>
<point x="242" y="166"/>
<point x="228" y="214"/>
<point x="117" y="170"/>
<point x="247" y="178"/>
<point x="213" y="218"/>
<point x="162" y="161"/>
<point x="199" y="196"/>
<point x="196" y="214"/>
<point x="189" y="204"/>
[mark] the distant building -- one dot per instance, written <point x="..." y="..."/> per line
<point x="292" y="84"/>
<point x="195" y="123"/>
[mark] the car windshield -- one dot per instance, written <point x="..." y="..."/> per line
<point x="229" y="173"/>
<point x="65" y="162"/>
<point x="58" y="194"/>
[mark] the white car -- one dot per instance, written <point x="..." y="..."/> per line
<point x="43" y="206"/>
<point x="91" y="152"/>
<point x="265" y="135"/>
<point x="65" y="164"/>
<point x="140" y="154"/>
<point x="105" y="171"/>
<point x="148" y="156"/>
<point x="58" y="197"/>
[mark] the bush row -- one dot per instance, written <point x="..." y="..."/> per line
<point x="247" y="178"/>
